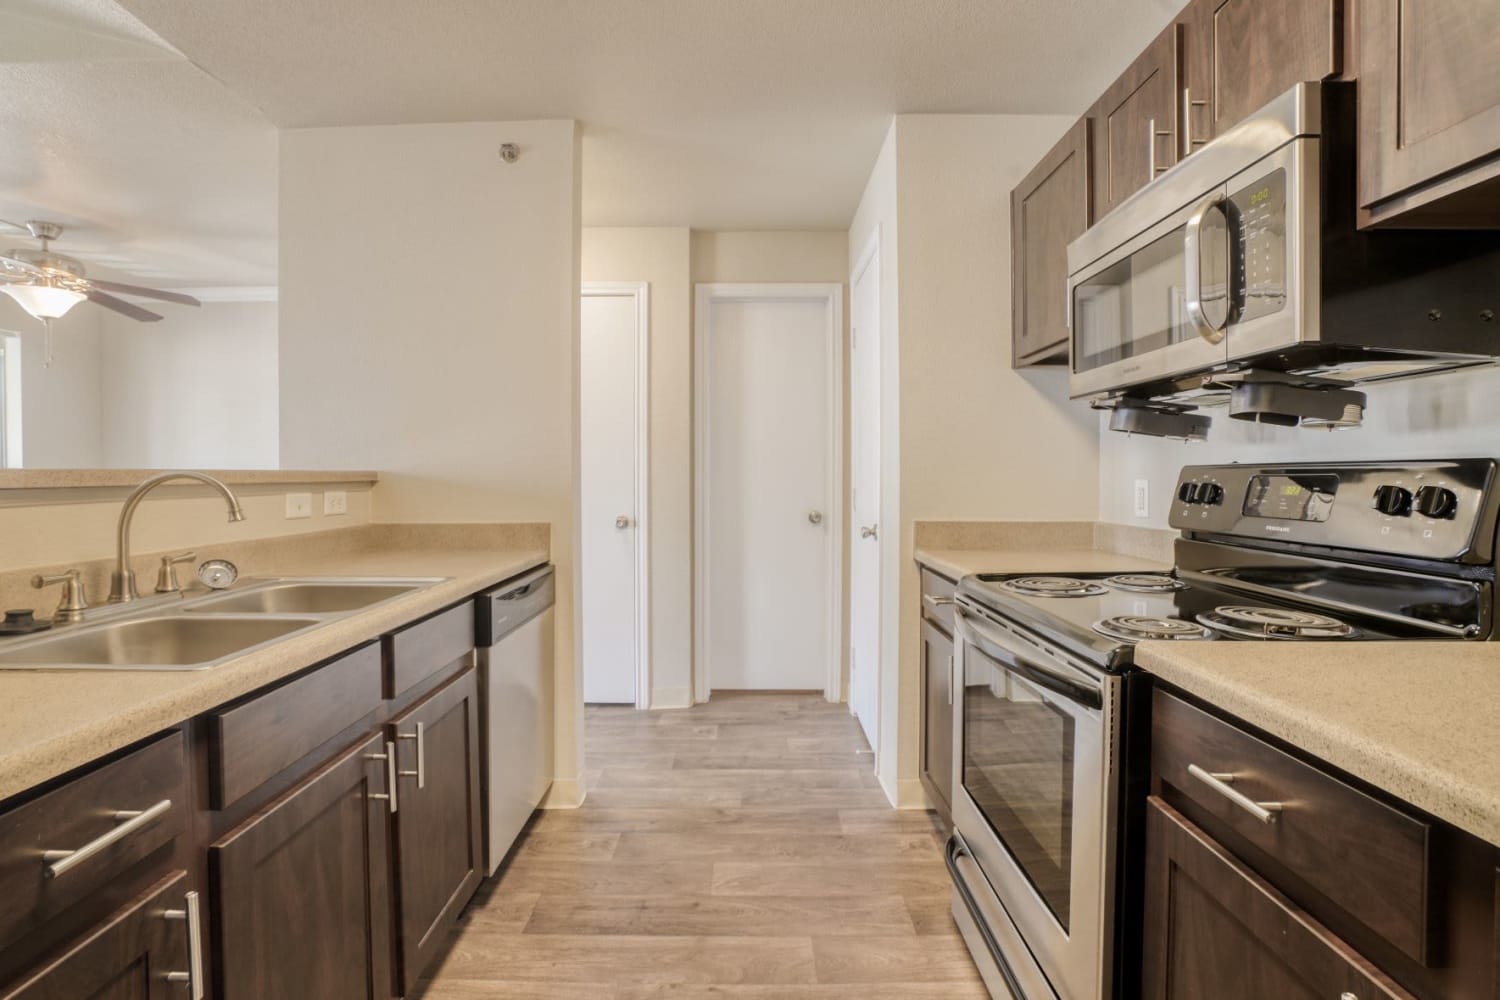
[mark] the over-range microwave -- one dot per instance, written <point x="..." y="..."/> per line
<point x="1248" y="255"/>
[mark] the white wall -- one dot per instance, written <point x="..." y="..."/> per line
<point x="429" y="320"/>
<point x="661" y="257"/>
<point x="198" y="389"/>
<point x="973" y="438"/>
<point x="61" y="414"/>
<point x="1442" y="416"/>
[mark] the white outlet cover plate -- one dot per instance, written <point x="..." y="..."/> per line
<point x="298" y="505"/>
<point x="335" y="502"/>
<point x="1143" y="498"/>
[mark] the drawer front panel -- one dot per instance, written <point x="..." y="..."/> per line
<point x="1366" y="857"/>
<point x="255" y="741"/>
<point x="937" y="593"/>
<point x="421" y="650"/>
<point x="111" y="819"/>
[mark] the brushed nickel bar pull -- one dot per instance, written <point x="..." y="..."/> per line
<point x="61" y="862"/>
<point x="390" y="774"/>
<point x="193" y="915"/>
<point x="421" y="772"/>
<point x="1188" y="104"/>
<point x="1266" y="812"/>
<point x="1152" y="134"/>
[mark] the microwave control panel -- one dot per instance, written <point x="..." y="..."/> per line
<point x="1258" y="217"/>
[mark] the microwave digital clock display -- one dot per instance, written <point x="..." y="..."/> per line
<point x="1258" y="213"/>
<point x="1291" y="498"/>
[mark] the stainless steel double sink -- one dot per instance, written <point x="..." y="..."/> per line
<point x="198" y="632"/>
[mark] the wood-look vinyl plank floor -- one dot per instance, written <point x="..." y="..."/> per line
<point x="738" y="850"/>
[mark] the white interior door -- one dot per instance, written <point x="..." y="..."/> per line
<point x="612" y="464"/>
<point x="864" y="498"/>
<point x="766" y="493"/>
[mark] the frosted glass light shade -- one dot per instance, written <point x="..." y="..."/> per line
<point x="43" y="301"/>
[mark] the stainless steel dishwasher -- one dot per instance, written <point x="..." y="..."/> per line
<point x="513" y="628"/>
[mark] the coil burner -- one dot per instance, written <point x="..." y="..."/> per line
<point x="1137" y="628"/>
<point x="1274" y="623"/>
<point x="1053" y="586"/>
<point x="1145" y="583"/>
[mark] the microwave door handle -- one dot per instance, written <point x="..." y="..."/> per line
<point x="1209" y="327"/>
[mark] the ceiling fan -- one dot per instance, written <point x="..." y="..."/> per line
<point x="47" y="284"/>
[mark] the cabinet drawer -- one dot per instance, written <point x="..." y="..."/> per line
<point x="1364" y="856"/>
<point x="937" y="600"/>
<point x="421" y="650"/>
<point x="88" y="816"/>
<point x="256" y="740"/>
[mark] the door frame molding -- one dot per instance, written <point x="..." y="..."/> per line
<point x="831" y="296"/>
<point x="641" y="292"/>
<point x="869" y="256"/>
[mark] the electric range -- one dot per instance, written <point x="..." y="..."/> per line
<point x="1048" y="707"/>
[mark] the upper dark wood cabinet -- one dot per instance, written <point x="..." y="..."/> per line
<point x="1214" y="929"/>
<point x="1263" y="48"/>
<point x="1429" y="112"/>
<point x="439" y="852"/>
<point x="301" y="890"/>
<point x="1048" y="210"/>
<point x="128" y="957"/>
<point x="1134" y="125"/>
<point x="937" y="718"/>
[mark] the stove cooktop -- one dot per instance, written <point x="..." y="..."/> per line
<point x="1103" y="615"/>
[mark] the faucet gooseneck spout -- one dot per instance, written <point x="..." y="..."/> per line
<point x="122" y="580"/>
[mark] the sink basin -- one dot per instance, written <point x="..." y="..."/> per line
<point x="169" y="642"/>
<point x="306" y="597"/>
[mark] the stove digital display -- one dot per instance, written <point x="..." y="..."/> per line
<point x="1291" y="498"/>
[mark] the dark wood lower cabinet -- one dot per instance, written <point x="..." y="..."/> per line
<point x="439" y="853"/>
<point x="129" y="957"/>
<point x="937" y="717"/>
<point x="301" y="890"/>
<point x="1215" y="929"/>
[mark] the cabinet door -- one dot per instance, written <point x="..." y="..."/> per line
<point x="1134" y="125"/>
<point x="1214" y="929"/>
<point x="438" y="847"/>
<point x="1048" y="210"/>
<point x="301" y="890"/>
<point x="1263" y="48"/>
<point x="1429" y="106"/>
<point x="937" y="716"/>
<point x="129" y="956"/>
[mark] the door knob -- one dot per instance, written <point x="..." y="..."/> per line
<point x="815" y="517"/>
<point x="870" y="531"/>
<point x="622" y="521"/>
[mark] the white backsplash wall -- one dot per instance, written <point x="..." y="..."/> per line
<point x="1455" y="415"/>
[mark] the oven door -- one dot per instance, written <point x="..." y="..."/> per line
<point x="1034" y="798"/>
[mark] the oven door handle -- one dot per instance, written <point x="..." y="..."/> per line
<point x="1057" y="678"/>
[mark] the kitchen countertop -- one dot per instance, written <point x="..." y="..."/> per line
<point x="957" y="563"/>
<point x="1416" y="719"/>
<point x="53" y="721"/>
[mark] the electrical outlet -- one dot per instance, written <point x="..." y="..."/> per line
<point x="298" y="505"/>
<point x="335" y="502"/>
<point x="1143" y="498"/>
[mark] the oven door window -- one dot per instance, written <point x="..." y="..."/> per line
<point x="1018" y="768"/>
<point x="1134" y="306"/>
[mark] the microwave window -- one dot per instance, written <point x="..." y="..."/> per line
<point x="1133" y="307"/>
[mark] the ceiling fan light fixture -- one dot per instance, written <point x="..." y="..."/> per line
<point x="44" y="301"/>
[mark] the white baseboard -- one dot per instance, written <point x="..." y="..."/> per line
<point x="565" y="793"/>
<point x="675" y="697"/>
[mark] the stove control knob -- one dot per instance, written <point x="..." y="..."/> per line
<point x="1437" y="501"/>
<point x="1211" y="493"/>
<point x="1187" y="491"/>
<point x="1393" y="500"/>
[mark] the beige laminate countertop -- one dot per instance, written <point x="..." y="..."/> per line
<point x="1417" y="719"/>
<point x="958" y="563"/>
<point x="52" y="721"/>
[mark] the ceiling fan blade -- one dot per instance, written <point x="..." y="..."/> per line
<point x="145" y="293"/>
<point x="14" y="227"/>
<point x="122" y="307"/>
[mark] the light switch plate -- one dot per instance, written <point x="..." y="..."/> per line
<point x="1143" y="498"/>
<point x="335" y="502"/>
<point x="298" y="505"/>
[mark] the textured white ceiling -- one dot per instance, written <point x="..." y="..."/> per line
<point x="162" y="174"/>
<point x="710" y="113"/>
